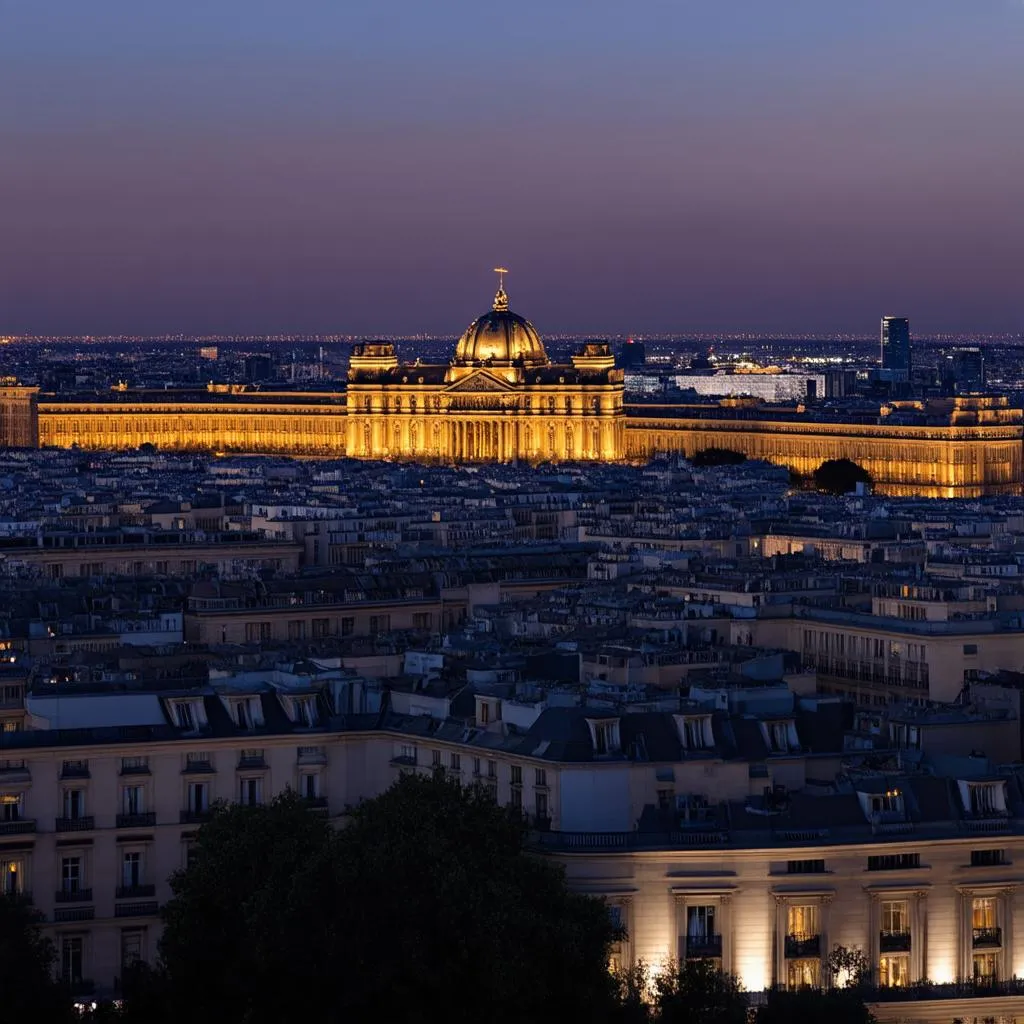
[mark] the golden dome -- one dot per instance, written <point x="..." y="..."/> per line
<point x="501" y="336"/>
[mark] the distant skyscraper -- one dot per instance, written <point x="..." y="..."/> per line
<point x="632" y="354"/>
<point x="895" y="348"/>
<point x="967" y="368"/>
<point x="258" y="367"/>
<point x="840" y="383"/>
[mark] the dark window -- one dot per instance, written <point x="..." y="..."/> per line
<point x="987" y="858"/>
<point x="805" y="867"/>
<point x="970" y="648"/>
<point x="894" y="861"/>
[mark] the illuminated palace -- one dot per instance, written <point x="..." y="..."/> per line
<point x="501" y="399"/>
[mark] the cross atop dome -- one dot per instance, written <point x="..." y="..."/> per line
<point x="501" y="297"/>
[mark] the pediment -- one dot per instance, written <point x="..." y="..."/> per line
<point x="480" y="382"/>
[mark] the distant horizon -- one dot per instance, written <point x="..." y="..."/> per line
<point x="352" y="339"/>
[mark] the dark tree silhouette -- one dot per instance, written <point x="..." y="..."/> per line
<point x="28" y="991"/>
<point x="709" y="457"/>
<point x="811" y="1006"/>
<point x="840" y="476"/>
<point x="425" y="892"/>
<point x="698" y="992"/>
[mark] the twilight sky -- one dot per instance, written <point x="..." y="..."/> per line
<point x="358" y="166"/>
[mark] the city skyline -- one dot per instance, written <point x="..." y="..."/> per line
<point x="699" y="167"/>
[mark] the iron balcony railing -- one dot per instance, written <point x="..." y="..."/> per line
<point x="798" y="946"/>
<point x="134" y="892"/>
<point x="141" y="908"/>
<point x="703" y="947"/>
<point x="73" y="896"/>
<point x="894" y="942"/>
<point x="17" y="827"/>
<point x="81" y="824"/>
<point x="983" y="937"/>
<point x="143" y="819"/>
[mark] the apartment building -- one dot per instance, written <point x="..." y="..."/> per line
<point x="881" y="658"/>
<point x="709" y="830"/>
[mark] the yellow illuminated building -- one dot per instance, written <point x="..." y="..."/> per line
<point x="943" y="448"/>
<point x="501" y="399"/>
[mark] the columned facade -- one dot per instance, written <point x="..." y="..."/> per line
<point x="500" y="400"/>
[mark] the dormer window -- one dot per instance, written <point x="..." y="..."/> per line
<point x="242" y="716"/>
<point x="884" y="807"/>
<point x="488" y="710"/>
<point x="695" y="732"/>
<point x="984" y="799"/>
<point x="305" y="712"/>
<point x="781" y="736"/>
<point x="246" y="712"/>
<point x="889" y="802"/>
<point x="185" y="715"/>
<point x="604" y="734"/>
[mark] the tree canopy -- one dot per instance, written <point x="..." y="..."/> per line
<point x="840" y="476"/>
<point x="708" y="457"/>
<point x="424" y="907"/>
<point x="30" y="992"/>
<point x="698" y="992"/>
<point x="812" y="1006"/>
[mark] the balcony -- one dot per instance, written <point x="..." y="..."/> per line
<point x="145" y="819"/>
<point x="135" y="892"/>
<point x="976" y="988"/>
<point x="66" y="914"/>
<point x="195" y="817"/>
<point x="703" y="947"/>
<point x="316" y="803"/>
<point x="73" y="896"/>
<point x="799" y="946"/>
<point x="986" y="938"/>
<point x="82" y="824"/>
<point x="73" y="770"/>
<point x="894" y="942"/>
<point x="19" y="827"/>
<point x="142" y="908"/>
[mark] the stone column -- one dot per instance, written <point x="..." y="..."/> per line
<point x="725" y="930"/>
<point x="779" y="945"/>
<point x="918" y="937"/>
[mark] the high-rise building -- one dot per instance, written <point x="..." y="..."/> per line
<point x="632" y="354"/>
<point x="840" y="383"/>
<point x="259" y="367"/>
<point x="896" y="348"/>
<point x="966" y="368"/>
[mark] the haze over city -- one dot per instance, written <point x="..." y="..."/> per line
<point x="357" y="168"/>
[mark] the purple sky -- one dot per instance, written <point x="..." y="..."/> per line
<point x="358" y="166"/>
